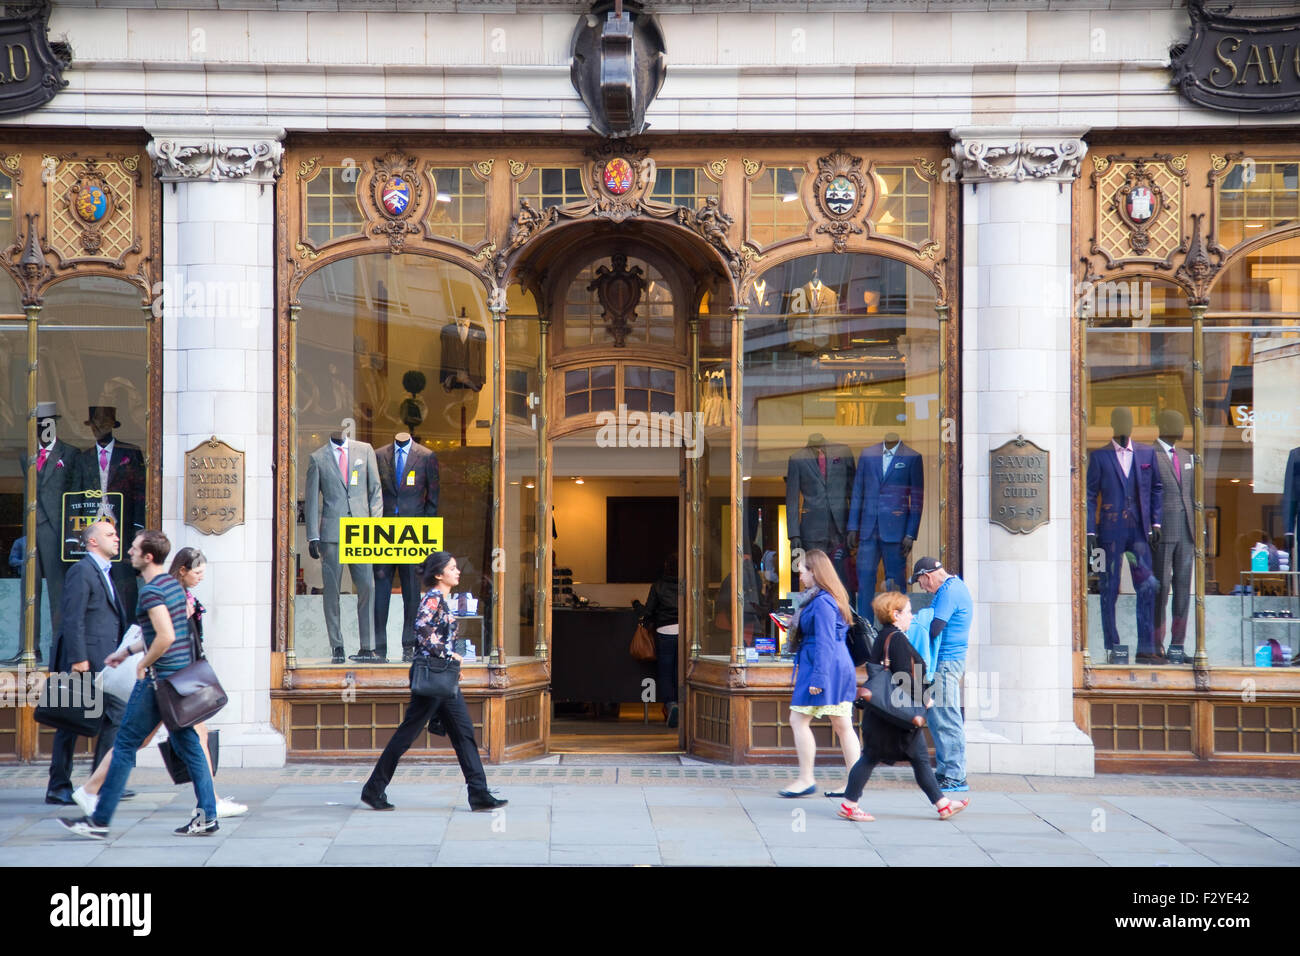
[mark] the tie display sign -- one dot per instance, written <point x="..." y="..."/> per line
<point x="1019" y="498"/>
<point x="80" y="510"/>
<point x="388" y="540"/>
<point x="214" y="487"/>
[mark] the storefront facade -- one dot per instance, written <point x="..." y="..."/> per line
<point x="841" y="230"/>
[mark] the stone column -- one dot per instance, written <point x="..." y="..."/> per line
<point x="217" y="305"/>
<point x="1015" y="332"/>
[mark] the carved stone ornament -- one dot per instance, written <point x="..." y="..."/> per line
<point x="1201" y="264"/>
<point x="620" y="183"/>
<point x="1138" y="203"/>
<point x="840" y="191"/>
<point x="1034" y="156"/>
<point x="26" y="261"/>
<point x="395" y="192"/>
<point x="498" y="676"/>
<point x="208" y="154"/>
<point x="736" y="676"/>
<point x="619" y="290"/>
<point x="618" y="66"/>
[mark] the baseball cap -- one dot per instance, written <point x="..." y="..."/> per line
<point x="924" y="566"/>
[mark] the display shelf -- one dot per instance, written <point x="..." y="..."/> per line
<point x="1283" y="596"/>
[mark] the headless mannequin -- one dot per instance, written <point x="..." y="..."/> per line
<point x="1121" y="423"/>
<point x="1174" y="553"/>
<point x="892" y="441"/>
<point x="816" y="441"/>
<point x="313" y="547"/>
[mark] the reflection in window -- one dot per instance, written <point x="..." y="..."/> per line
<point x="332" y="209"/>
<point x="775" y="209"/>
<point x="552" y="186"/>
<point x="583" y="321"/>
<point x="1255" y="197"/>
<point x="647" y="389"/>
<point x="459" y="207"/>
<point x="589" y="390"/>
<point x="903" y="208"/>
<point x="1266" y="281"/>
<point x="682" y="186"/>
<point x="6" y="198"/>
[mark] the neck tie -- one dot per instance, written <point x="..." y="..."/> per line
<point x="401" y="467"/>
<point x="821" y="462"/>
<point x="40" y="459"/>
<point x="103" y="459"/>
<point x="343" y="463"/>
<point x="1178" y="469"/>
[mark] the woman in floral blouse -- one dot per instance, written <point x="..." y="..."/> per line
<point x="435" y="636"/>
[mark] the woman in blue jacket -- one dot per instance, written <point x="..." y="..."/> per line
<point x="824" y="684"/>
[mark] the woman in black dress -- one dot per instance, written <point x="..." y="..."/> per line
<point x="435" y="636"/>
<point x="883" y="742"/>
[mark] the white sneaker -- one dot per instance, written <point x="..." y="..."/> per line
<point x="225" y="808"/>
<point x="87" y="801"/>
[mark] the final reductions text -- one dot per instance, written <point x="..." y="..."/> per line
<point x="388" y="540"/>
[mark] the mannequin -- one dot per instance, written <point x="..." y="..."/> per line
<point x="814" y="298"/>
<point x="885" y="514"/>
<point x="1291" y="502"/>
<point x="464" y="355"/>
<point x="111" y="465"/>
<point x="412" y="493"/>
<point x="55" y="466"/>
<point x="331" y="496"/>
<point x="1174" y="553"/>
<point x="1130" y="494"/>
<point x="821" y="475"/>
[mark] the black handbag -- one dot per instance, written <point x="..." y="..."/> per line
<point x="861" y="636"/>
<point x="192" y="694"/>
<point x="73" y="702"/>
<point x="176" y="766"/>
<point x="436" y="677"/>
<point x="894" y="703"/>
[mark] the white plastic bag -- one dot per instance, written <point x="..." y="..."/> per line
<point x="120" y="680"/>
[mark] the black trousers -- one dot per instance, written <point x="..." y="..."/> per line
<point x="407" y="575"/>
<point x="460" y="730"/>
<point x="916" y="756"/>
<point x="64" y="747"/>
<point x="666" y="668"/>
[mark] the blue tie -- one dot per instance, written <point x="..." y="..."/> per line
<point x="401" y="465"/>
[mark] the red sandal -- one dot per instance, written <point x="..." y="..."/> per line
<point x="954" y="807"/>
<point x="856" y="814"/>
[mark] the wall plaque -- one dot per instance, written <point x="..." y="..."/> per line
<point x="214" y="487"/>
<point x="1018" y="490"/>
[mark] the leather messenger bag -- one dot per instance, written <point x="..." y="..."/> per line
<point x="191" y="695"/>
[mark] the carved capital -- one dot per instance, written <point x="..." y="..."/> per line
<point x="215" y="154"/>
<point x="999" y="154"/>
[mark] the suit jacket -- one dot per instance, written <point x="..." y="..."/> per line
<point x="1291" y="493"/>
<point x="58" y="476"/>
<point x="1176" y="504"/>
<point x="825" y="508"/>
<point x="93" y="620"/>
<point x="126" y="475"/>
<point x="887" y="505"/>
<point x="469" y="356"/>
<point x="414" y="493"/>
<point x="1106" y="482"/>
<point x="328" y="499"/>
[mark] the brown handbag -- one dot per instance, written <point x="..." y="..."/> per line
<point x="190" y="695"/>
<point x="643" y="645"/>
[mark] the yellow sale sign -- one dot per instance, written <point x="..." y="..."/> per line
<point x="388" y="540"/>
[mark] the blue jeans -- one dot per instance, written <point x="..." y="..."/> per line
<point x="944" y="718"/>
<point x="141" y="717"/>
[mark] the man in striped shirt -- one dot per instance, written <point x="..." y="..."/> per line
<point x="162" y="616"/>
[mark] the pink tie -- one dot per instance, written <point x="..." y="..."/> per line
<point x="1178" y="470"/>
<point x="40" y="459"/>
<point x="343" y="463"/>
<point x="103" y="459"/>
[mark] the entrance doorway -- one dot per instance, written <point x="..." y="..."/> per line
<point x="617" y="538"/>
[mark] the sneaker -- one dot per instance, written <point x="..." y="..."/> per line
<point x="953" y="786"/>
<point x="87" y="801"/>
<point x="84" y="826"/>
<point x="198" y="826"/>
<point x="229" y="808"/>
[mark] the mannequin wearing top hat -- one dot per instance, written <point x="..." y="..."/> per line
<point x="55" y="467"/>
<point x="112" y="465"/>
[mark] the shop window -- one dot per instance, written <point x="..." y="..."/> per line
<point x="552" y="186"/>
<point x="654" y="323"/>
<point x="332" y="210"/>
<point x="1254" y="197"/>
<point x="589" y="390"/>
<point x="776" y="210"/>
<point x="903" y="207"/>
<point x="682" y="186"/>
<point x="459" y="207"/>
<point x="841" y="358"/>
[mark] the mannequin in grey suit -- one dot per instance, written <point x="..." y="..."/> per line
<point x="821" y="474"/>
<point x="328" y="499"/>
<point x="1174" y="553"/>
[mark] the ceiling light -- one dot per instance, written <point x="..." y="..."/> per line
<point x="578" y="481"/>
<point x="1254" y="225"/>
<point x="789" y="197"/>
<point x="1236" y="481"/>
<point x="746" y="478"/>
<point x="530" y="485"/>
<point x="443" y="197"/>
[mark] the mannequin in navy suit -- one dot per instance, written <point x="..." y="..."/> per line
<point x="818" y="480"/>
<point x="1127" y="523"/>
<point x="885" y="514"/>
<point x="1291" y="499"/>
<point x="411" y="494"/>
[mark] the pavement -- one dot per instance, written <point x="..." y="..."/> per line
<point x="665" y="810"/>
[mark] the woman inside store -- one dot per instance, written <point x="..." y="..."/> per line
<point x="661" y="616"/>
<point x="435" y="636"/>
<point x="187" y="567"/>
<point x="883" y="742"/>
<point x="824" y="684"/>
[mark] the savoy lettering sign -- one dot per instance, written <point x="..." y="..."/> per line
<point x="214" y="487"/>
<point x="1241" y="64"/>
<point x="1018" y="490"/>
<point x="31" y="68"/>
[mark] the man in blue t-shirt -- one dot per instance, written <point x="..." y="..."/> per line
<point x="953" y="610"/>
<point x="163" y="619"/>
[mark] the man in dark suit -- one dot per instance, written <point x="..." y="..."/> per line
<point x="464" y="355"/>
<point x="1174" y="553"/>
<point x="111" y="465"/>
<point x="885" y="514"/>
<point x="92" y="623"/>
<point x="1123" y="479"/>
<point x="408" y="478"/>
<point x="818" y="481"/>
